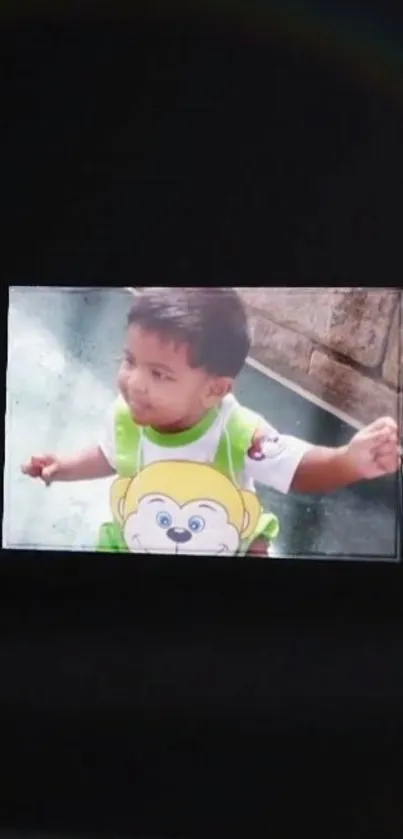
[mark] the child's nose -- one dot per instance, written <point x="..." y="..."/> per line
<point x="137" y="381"/>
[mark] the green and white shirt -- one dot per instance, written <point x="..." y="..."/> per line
<point x="194" y="491"/>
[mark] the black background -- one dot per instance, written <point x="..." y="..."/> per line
<point x="196" y="149"/>
<point x="197" y="701"/>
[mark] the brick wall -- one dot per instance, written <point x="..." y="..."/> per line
<point x="342" y="344"/>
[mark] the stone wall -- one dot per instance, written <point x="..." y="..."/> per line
<point x="342" y="344"/>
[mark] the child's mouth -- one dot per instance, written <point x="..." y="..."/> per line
<point x="139" y="408"/>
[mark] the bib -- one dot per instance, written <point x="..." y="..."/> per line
<point x="184" y="507"/>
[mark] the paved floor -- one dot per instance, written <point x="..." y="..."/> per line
<point x="63" y="353"/>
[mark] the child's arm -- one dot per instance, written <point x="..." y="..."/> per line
<point x="286" y="463"/>
<point x="86" y="466"/>
<point x="325" y="470"/>
<point x="372" y="453"/>
<point x="97" y="462"/>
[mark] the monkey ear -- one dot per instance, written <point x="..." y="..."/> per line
<point x="253" y="511"/>
<point x="118" y="494"/>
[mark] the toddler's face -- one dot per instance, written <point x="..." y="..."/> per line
<point x="158" y="384"/>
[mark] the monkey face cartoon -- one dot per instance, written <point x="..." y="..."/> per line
<point x="183" y="508"/>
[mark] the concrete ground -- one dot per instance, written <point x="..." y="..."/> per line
<point x="63" y="351"/>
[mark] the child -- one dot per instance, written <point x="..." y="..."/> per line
<point x="185" y="453"/>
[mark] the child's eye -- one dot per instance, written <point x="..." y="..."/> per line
<point x="128" y="361"/>
<point x="160" y="377"/>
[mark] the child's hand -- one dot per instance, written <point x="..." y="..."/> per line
<point x="45" y="467"/>
<point x="374" y="451"/>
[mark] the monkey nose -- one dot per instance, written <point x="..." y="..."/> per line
<point x="179" y="535"/>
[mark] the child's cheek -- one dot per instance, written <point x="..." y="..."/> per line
<point x="122" y="384"/>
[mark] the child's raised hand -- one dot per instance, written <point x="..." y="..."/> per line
<point x="44" y="467"/>
<point x="375" y="450"/>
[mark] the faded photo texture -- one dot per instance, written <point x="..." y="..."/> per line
<point x="324" y="362"/>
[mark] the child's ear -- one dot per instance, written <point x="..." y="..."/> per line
<point x="217" y="389"/>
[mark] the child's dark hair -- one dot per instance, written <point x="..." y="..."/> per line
<point x="212" y="322"/>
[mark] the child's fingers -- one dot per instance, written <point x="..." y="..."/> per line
<point x="388" y="465"/>
<point x="48" y="473"/>
<point x="32" y="468"/>
<point x="387" y="453"/>
<point x="383" y="424"/>
<point x="42" y="460"/>
<point x="383" y="437"/>
<point x="387" y="450"/>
